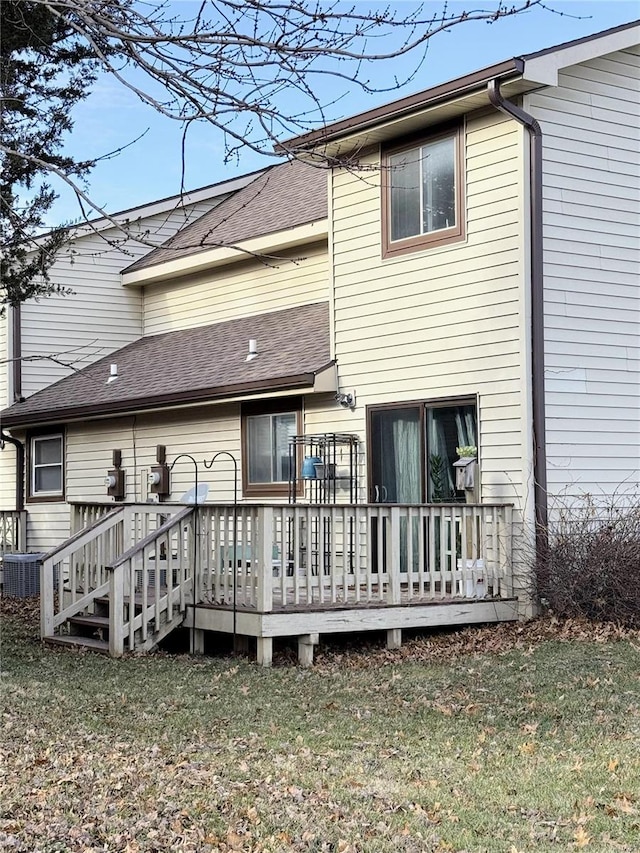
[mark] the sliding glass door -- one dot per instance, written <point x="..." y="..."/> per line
<point x="412" y="449"/>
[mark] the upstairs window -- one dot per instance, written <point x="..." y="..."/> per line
<point x="46" y="467"/>
<point x="422" y="194"/>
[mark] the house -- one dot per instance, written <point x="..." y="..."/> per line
<point x="280" y="441"/>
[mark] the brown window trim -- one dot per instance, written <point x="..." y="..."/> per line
<point x="266" y="407"/>
<point x="42" y="433"/>
<point x="391" y="249"/>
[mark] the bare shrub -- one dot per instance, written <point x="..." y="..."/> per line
<point x="590" y="566"/>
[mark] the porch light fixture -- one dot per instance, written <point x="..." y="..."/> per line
<point x="347" y="401"/>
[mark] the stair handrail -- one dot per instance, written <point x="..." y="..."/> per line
<point x="149" y="538"/>
<point x="48" y="619"/>
<point x="72" y="540"/>
<point x="117" y="572"/>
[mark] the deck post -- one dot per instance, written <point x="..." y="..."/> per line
<point x="393" y="558"/>
<point x="196" y="641"/>
<point x="241" y="645"/>
<point x="264" y="651"/>
<point x="394" y="638"/>
<point x="46" y="598"/>
<point x="305" y="648"/>
<point x="265" y="560"/>
<point x="116" y="612"/>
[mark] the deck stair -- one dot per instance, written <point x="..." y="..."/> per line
<point x="110" y="598"/>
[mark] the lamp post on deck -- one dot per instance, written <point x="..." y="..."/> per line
<point x="196" y="526"/>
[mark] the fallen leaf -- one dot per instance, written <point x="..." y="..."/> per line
<point x="581" y="837"/>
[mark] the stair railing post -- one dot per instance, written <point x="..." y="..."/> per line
<point x="46" y="598"/>
<point x="116" y="611"/>
<point x="128" y="536"/>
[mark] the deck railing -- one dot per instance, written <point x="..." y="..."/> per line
<point x="13" y="531"/>
<point x="300" y="555"/>
<point x="73" y="574"/>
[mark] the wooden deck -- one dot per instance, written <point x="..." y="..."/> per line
<point x="265" y="571"/>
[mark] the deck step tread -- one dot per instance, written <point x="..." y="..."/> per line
<point x="137" y="599"/>
<point x="79" y="642"/>
<point x="90" y="621"/>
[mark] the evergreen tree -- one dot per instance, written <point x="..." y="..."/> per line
<point x="45" y="68"/>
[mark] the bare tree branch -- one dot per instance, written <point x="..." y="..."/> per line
<point x="246" y="68"/>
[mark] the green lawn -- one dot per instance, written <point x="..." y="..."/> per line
<point x="529" y="743"/>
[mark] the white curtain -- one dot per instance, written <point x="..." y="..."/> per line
<point x="406" y="458"/>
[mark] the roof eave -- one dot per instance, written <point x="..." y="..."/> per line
<point x="321" y="380"/>
<point x="509" y="69"/>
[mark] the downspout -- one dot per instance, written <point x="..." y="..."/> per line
<point x="19" y="446"/>
<point x="537" y="309"/>
<point x="15" y="356"/>
<point x="16" y="353"/>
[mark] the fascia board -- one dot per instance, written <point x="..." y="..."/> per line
<point x="259" y="247"/>
<point x="544" y="69"/>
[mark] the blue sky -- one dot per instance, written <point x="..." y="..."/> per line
<point x="151" y="168"/>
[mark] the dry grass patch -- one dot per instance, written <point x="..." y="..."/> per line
<point x="502" y="739"/>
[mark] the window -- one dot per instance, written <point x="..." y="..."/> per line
<point x="266" y="430"/>
<point x="422" y="194"/>
<point x="46" y="467"/>
<point x="412" y="449"/>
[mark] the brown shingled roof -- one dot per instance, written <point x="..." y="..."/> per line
<point x="190" y="365"/>
<point x="282" y="197"/>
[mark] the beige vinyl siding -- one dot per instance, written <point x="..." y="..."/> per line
<point x="445" y="321"/>
<point x="201" y="432"/>
<point x="48" y="524"/>
<point x="8" y="477"/>
<point x="99" y="315"/>
<point x="591" y="127"/>
<point x="295" y="277"/>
